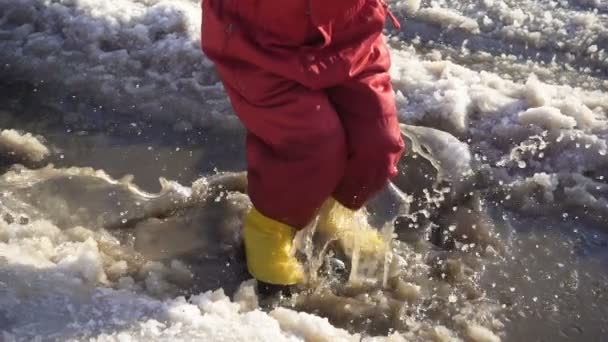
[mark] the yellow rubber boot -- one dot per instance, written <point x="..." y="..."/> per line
<point x="350" y="228"/>
<point x="269" y="250"/>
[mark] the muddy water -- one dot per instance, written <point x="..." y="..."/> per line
<point x="553" y="280"/>
<point x="538" y="278"/>
<point x="133" y="146"/>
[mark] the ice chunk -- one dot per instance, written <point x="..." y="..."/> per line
<point x="22" y="146"/>
<point x="547" y="117"/>
<point x="478" y="333"/>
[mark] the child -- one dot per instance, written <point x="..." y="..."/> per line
<point x="309" y="80"/>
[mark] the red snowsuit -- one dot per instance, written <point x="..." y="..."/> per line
<point x="309" y="80"/>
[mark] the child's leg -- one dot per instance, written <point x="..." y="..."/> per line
<point x="367" y="109"/>
<point x="296" y="150"/>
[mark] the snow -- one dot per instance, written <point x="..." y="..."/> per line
<point x="493" y="111"/>
<point x="128" y="55"/>
<point x="42" y="257"/>
<point x="308" y="327"/>
<point x="531" y="137"/>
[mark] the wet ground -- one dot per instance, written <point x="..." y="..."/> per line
<point x="550" y="281"/>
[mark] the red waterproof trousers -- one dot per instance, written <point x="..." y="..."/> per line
<point x="309" y="80"/>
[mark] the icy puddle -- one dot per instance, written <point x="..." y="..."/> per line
<point x="87" y="255"/>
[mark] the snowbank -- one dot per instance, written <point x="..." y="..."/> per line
<point x="129" y="57"/>
<point x="516" y="130"/>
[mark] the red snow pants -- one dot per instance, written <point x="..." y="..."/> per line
<point x="309" y="81"/>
